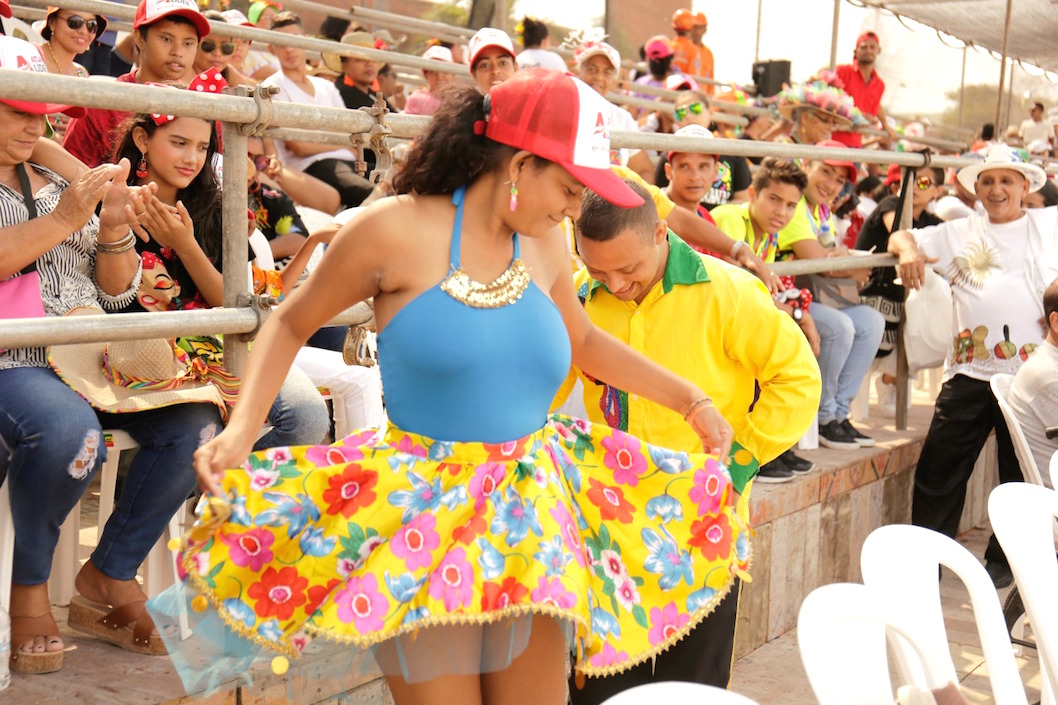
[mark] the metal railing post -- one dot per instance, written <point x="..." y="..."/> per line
<point x="236" y="284"/>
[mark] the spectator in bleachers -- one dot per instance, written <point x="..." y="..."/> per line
<point x="773" y="198"/>
<point x="330" y="164"/>
<point x="218" y="52"/>
<point x="960" y="203"/>
<point x="862" y="83"/>
<point x="1034" y="392"/>
<point x="52" y="438"/>
<point x="535" y="39"/>
<point x="1036" y="127"/>
<point x="1046" y="197"/>
<point x="182" y="253"/>
<point x="68" y="34"/>
<point x="644" y="285"/>
<point x="356" y="73"/>
<point x="258" y="64"/>
<point x="691" y="55"/>
<point x="657" y="52"/>
<point x="849" y="335"/>
<point x="758" y="130"/>
<point x="491" y="58"/>
<point x="166" y="34"/>
<point x="881" y="292"/>
<point x="392" y="89"/>
<point x="998" y="266"/>
<point x="691" y="174"/>
<point x="242" y="46"/>
<point x="815" y="111"/>
<point x="427" y="100"/>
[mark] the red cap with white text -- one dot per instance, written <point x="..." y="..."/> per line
<point x="20" y="55"/>
<point x="150" y="11"/>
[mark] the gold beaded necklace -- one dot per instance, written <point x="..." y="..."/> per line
<point x="67" y="72"/>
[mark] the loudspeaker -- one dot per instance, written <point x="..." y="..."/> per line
<point x="770" y="75"/>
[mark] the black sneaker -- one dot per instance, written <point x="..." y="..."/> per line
<point x="998" y="572"/>
<point x="833" y="435"/>
<point x="861" y="440"/>
<point x="774" y="472"/>
<point x="796" y="462"/>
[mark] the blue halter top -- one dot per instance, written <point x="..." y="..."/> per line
<point x="457" y="373"/>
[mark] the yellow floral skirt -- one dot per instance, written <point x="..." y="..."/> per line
<point x="385" y="533"/>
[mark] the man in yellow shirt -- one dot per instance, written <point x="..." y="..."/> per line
<point x="717" y="325"/>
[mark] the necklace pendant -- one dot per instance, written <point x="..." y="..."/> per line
<point x="503" y="291"/>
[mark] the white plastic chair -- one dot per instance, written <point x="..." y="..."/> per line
<point x="900" y="562"/>
<point x="1000" y="384"/>
<point x="841" y="634"/>
<point x="7" y="545"/>
<point x="676" y="693"/>
<point x="1022" y="517"/>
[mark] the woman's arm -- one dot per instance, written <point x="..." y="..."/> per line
<point x="290" y="273"/>
<point x="50" y="154"/>
<point x="604" y="357"/>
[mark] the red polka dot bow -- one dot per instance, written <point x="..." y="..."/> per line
<point x="209" y="81"/>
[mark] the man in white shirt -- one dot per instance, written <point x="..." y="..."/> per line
<point x="1035" y="127"/>
<point x="333" y="165"/>
<point x="1034" y="393"/>
<point x="999" y="266"/>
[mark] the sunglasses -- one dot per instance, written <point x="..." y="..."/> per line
<point x="75" y="22"/>
<point x="693" y="108"/>
<point x="261" y="161"/>
<point x="209" y="46"/>
<point x="923" y="183"/>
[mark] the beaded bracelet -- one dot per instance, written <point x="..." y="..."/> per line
<point x="116" y="248"/>
<point x="694" y="405"/>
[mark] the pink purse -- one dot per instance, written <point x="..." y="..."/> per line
<point x="20" y="296"/>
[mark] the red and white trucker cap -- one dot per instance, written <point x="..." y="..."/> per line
<point x="489" y="37"/>
<point x="559" y="118"/>
<point x="150" y="11"/>
<point x="20" y="55"/>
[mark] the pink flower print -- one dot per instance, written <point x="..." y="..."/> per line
<point x="415" y="542"/>
<point x="322" y="456"/>
<point x="368" y="547"/>
<point x="582" y="425"/>
<point x="406" y="445"/>
<point x="570" y="533"/>
<point x="487" y="477"/>
<point x="453" y="580"/>
<point x="278" y="455"/>
<point x="355" y="440"/>
<point x="607" y="657"/>
<point x="553" y="592"/>
<point x="624" y="458"/>
<point x="665" y="622"/>
<point x="627" y="594"/>
<point x="300" y="640"/>
<point x="263" y="478"/>
<point x="250" y="548"/>
<point x="346" y="566"/>
<point x="709" y="488"/>
<point x="613" y="567"/>
<point x="361" y="603"/>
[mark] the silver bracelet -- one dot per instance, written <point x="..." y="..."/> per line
<point x="116" y="248"/>
<point x="739" y="244"/>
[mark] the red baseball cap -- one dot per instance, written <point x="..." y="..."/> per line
<point x="868" y="35"/>
<point x="150" y="11"/>
<point x="892" y="175"/>
<point x="489" y="37"/>
<point x="5" y="9"/>
<point x="20" y="55"/>
<point x="559" y="118"/>
<point x="850" y="166"/>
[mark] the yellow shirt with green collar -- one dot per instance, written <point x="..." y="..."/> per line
<point x="807" y="221"/>
<point x="717" y="326"/>
<point x="734" y="219"/>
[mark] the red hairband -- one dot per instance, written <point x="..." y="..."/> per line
<point x="209" y="81"/>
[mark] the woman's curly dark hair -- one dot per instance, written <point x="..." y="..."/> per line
<point x="449" y="154"/>
<point x="202" y="197"/>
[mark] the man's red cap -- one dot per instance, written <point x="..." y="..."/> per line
<point x="150" y="11"/>
<point x="868" y="35"/>
<point x="5" y="8"/>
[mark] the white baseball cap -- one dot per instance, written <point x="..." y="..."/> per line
<point x="691" y="131"/>
<point x="590" y="49"/>
<point x="489" y="37"/>
<point x="150" y="11"/>
<point x="20" y="55"/>
<point x="438" y="53"/>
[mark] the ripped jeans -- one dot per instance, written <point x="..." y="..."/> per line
<point x="50" y="447"/>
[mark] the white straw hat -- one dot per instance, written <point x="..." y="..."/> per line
<point x="1001" y="156"/>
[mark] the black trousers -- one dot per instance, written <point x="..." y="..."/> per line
<point x="966" y="412"/>
<point x="703" y="656"/>
<point x="340" y="174"/>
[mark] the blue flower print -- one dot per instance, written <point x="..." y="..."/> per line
<point x="404" y="586"/>
<point x="700" y="598"/>
<point x="490" y="561"/>
<point x="240" y="611"/>
<point x="422" y="497"/>
<point x="270" y="630"/>
<point x="553" y="555"/>
<point x="742" y="547"/>
<point x="667" y="560"/>
<point x="239" y="515"/>
<point x="569" y="468"/>
<point x="416" y="614"/>
<point x="515" y="518"/>
<point x="670" y="462"/>
<point x="439" y="450"/>
<point x="603" y="623"/>
<point x="314" y="543"/>
<point x="455" y="497"/>
<point x="293" y="512"/>
<point x="664" y="507"/>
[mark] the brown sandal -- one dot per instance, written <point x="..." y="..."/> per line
<point x="128" y="626"/>
<point x="25" y="629"/>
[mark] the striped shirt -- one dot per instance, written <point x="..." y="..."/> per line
<point x="66" y="271"/>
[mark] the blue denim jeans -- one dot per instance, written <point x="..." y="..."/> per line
<point x="849" y="338"/>
<point x="52" y="445"/>
<point x="298" y="415"/>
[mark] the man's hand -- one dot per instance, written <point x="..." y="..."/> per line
<point x="751" y="263"/>
<point x="713" y="429"/>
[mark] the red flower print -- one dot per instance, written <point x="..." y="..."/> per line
<point x="472" y="529"/>
<point x="348" y="492"/>
<point x="502" y="452"/>
<point x="319" y="593"/>
<point x="713" y="536"/>
<point x="610" y="501"/>
<point x="278" y="593"/>
<point x="497" y="596"/>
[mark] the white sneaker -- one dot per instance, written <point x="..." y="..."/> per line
<point x="886" y="398"/>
